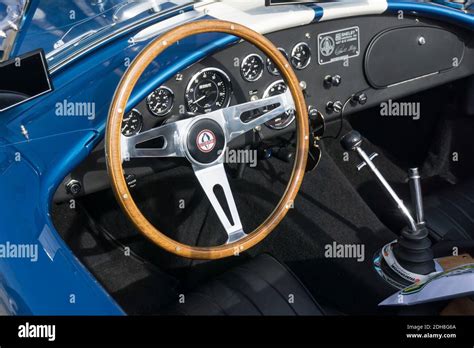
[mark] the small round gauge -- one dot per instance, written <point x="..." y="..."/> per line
<point x="283" y="120"/>
<point x="132" y="123"/>
<point x="210" y="89"/>
<point x="160" y="101"/>
<point x="252" y="67"/>
<point x="300" y="55"/>
<point x="271" y="67"/>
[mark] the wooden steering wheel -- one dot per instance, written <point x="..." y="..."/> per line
<point x="202" y="140"/>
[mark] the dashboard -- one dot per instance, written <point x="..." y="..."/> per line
<point x="217" y="82"/>
<point x="344" y="66"/>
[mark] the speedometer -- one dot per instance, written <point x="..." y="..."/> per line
<point x="210" y="89"/>
<point x="285" y="119"/>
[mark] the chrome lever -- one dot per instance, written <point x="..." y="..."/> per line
<point x="352" y="142"/>
<point x="363" y="164"/>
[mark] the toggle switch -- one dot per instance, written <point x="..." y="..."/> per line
<point x="334" y="106"/>
<point x="332" y="81"/>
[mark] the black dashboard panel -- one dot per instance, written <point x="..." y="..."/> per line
<point x="379" y="64"/>
<point x="352" y="72"/>
<point x="345" y="56"/>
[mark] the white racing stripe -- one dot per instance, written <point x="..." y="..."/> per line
<point x="164" y="26"/>
<point x="256" y="16"/>
<point x="351" y="8"/>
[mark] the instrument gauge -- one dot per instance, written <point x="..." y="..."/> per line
<point x="132" y="123"/>
<point x="285" y="119"/>
<point x="160" y="101"/>
<point x="271" y="67"/>
<point x="300" y="56"/>
<point x="252" y="67"/>
<point x="208" y="90"/>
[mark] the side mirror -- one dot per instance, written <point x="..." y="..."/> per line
<point x="23" y="78"/>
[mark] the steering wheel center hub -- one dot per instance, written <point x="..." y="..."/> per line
<point x="205" y="142"/>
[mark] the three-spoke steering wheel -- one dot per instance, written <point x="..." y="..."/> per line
<point x="203" y="140"/>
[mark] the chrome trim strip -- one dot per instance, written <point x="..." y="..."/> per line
<point x="413" y="79"/>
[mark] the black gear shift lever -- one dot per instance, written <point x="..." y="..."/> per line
<point x="413" y="248"/>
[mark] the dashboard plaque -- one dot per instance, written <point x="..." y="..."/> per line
<point x="338" y="45"/>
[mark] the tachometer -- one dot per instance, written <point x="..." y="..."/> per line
<point x="208" y="90"/>
<point x="252" y="67"/>
<point x="160" y="101"/>
<point x="285" y="119"/>
<point x="300" y="55"/>
<point x="132" y="123"/>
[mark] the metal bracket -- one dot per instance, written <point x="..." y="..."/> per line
<point x="363" y="164"/>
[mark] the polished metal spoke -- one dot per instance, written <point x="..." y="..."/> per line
<point x="170" y="134"/>
<point x="209" y="178"/>
<point x="231" y="117"/>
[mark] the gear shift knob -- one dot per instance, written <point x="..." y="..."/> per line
<point x="351" y="140"/>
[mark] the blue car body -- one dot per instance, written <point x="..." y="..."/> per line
<point x="31" y="169"/>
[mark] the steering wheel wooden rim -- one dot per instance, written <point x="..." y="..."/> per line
<point x="113" y="139"/>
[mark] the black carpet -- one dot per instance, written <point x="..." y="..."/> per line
<point x="327" y="210"/>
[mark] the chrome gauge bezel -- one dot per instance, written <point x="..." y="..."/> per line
<point x="293" y="52"/>
<point x="266" y="94"/>
<point x="269" y="62"/>
<point x="141" y="122"/>
<point x="168" y="110"/>
<point x="196" y="75"/>
<point x="245" y="61"/>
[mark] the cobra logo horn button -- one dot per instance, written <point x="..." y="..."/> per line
<point x="206" y="141"/>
